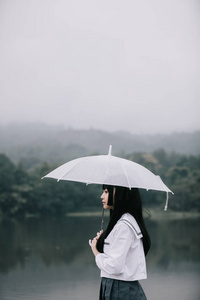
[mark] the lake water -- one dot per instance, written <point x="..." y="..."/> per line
<point x="51" y="259"/>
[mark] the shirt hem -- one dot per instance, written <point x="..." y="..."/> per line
<point x="135" y="278"/>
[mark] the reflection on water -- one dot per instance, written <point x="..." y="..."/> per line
<point x="51" y="259"/>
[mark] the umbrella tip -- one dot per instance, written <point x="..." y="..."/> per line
<point x="110" y="150"/>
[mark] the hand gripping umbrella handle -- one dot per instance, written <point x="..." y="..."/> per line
<point x="102" y="220"/>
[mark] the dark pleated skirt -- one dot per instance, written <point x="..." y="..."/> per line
<point x="112" y="289"/>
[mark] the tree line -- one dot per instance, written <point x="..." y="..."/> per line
<point x="23" y="193"/>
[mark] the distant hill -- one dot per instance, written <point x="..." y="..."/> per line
<point x="57" y="144"/>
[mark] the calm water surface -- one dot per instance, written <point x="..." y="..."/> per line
<point x="50" y="259"/>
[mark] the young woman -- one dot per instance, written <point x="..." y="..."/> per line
<point x="121" y="249"/>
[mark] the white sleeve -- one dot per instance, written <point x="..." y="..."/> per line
<point x="119" y="246"/>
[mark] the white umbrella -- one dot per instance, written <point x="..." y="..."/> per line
<point x="111" y="170"/>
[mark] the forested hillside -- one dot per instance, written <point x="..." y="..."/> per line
<point x="22" y="192"/>
<point x="36" y="143"/>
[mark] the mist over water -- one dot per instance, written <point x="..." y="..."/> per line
<point x="50" y="258"/>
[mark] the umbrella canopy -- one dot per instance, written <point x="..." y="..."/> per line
<point x="111" y="170"/>
<point x="108" y="169"/>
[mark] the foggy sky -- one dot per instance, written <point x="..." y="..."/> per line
<point x="110" y="65"/>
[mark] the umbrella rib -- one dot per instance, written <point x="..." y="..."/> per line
<point x="126" y="175"/>
<point x="73" y="166"/>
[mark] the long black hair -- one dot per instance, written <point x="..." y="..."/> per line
<point x="125" y="200"/>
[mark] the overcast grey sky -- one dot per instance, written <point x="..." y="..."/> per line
<point x="111" y="65"/>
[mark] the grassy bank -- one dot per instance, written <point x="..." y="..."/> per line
<point x="152" y="214"/>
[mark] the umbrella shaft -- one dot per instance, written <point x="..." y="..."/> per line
<point x="102" y="220"/>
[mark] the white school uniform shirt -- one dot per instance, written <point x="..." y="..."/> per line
<point x="123" y="256"/>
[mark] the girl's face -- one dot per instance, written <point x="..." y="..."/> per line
<point x="104" y="198"/>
